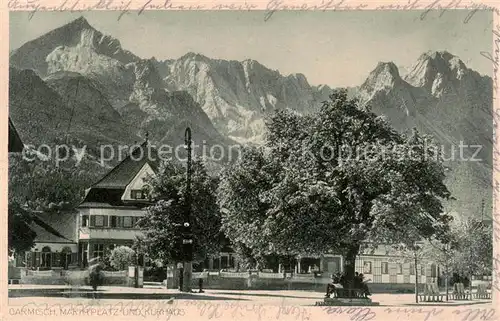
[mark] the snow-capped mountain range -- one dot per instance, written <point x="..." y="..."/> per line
<point x="112" y="95"/>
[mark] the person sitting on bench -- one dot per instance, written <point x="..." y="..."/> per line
<point x="330" y="287"/>
<point x="364" y="286"/>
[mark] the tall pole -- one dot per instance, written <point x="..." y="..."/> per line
<point x="446" y="267"/>
<point x="187" y="237"/>
<point x="416" y="277"/>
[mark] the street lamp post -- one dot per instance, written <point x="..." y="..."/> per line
<point x="187" y="235"/>
<point x="416" y="277"/>
<point x="446" y="271"/>
<point x="416" y="248"/>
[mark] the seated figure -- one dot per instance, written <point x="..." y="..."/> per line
<point x="358" y="286"/>
<point x="363" y="286"/>
<point x="334" y="284"/>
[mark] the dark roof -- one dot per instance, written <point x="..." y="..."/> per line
<point x="123" y="173"/>
<point x="15" y="143"/>
<point x="105" y="195"/>
<point x="64" y="222"/>
<point x="110" y="188"/>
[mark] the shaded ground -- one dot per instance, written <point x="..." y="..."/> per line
<point x="22" y="294"/>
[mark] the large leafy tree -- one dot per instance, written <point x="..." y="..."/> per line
<point x="332" y="182"/>
<point x="474" y="248"/>
<point x="163" y="220"/>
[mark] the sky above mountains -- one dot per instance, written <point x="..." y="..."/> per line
<point x="333" y="48"/>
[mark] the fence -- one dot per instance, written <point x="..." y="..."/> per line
<point x="43" y="274"/>
<point x="234" y="274"/>
<point x="266" y="275"/>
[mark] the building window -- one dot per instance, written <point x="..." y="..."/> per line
<point x="46" y="257"/>
<point x="113" y="221"/>
<point x="412" y="269"/>
<point x="137" y="194"/>
<point x="99" y="220"/>
<point x="367" y="267"/>
<point x="399" y="267"/>
<point x="433" y="270"/>
<point x="385" y="268"/>
<point x="85" y="220"/>
<point x="127" y="221"/>
<point x="98" y="250"/>
<point x="422" y="270"/>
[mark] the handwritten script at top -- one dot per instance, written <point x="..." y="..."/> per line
<point x="125" y="7"/>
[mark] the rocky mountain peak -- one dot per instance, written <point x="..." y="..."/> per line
<point x="77" y="40"/>
<point x="384" y="77"/>
<point x="80" y="22"/>
<point x="433" y="69"/>
<point x="193" y="56"/>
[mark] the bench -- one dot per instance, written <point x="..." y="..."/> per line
<point x="431" y="293"/>
<point x="459" y="292"/>
<point x="482" y="292"/>
<point x="340" y="292"/>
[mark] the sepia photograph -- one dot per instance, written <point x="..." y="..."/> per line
<point x="178" y="159"/>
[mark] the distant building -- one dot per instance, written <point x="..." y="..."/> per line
<point x="381" y="265"/>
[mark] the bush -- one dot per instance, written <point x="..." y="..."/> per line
<point x="122" y="257"/>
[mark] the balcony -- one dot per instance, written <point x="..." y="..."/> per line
<point x="89" y="233"/>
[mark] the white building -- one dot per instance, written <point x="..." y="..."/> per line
<point x="106" y="218"/>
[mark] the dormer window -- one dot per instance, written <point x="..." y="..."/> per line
<point x="140" y="194"/>
<point x="137" y="194"/>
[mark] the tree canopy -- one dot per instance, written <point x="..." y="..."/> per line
<point x="38" y="185"/>
<point x="473" y="248"/>
<point x="163" y="221"/>
<point x="334" y="181"/>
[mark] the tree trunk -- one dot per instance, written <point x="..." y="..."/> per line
<point x="470" y="285"/>
<point x="446" y="282"/>
<point x="175" y="275"/>
<point x="350" y="264"/>
<point x="188" y="275"/>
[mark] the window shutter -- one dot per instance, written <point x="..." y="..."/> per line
<point x="118" y="221"/>
<point x="92" y="220"/>
<point x="127" y="221"/>
<point x="37" y="259"/>
<point x="105" y="221"/>
<point x="29" y="259"/>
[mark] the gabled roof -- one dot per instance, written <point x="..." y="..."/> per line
<point x="110" y="188"/>
<point x="62" y="222"/>
<point x="123" y="173"/>
<point x="15" y="143"/>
